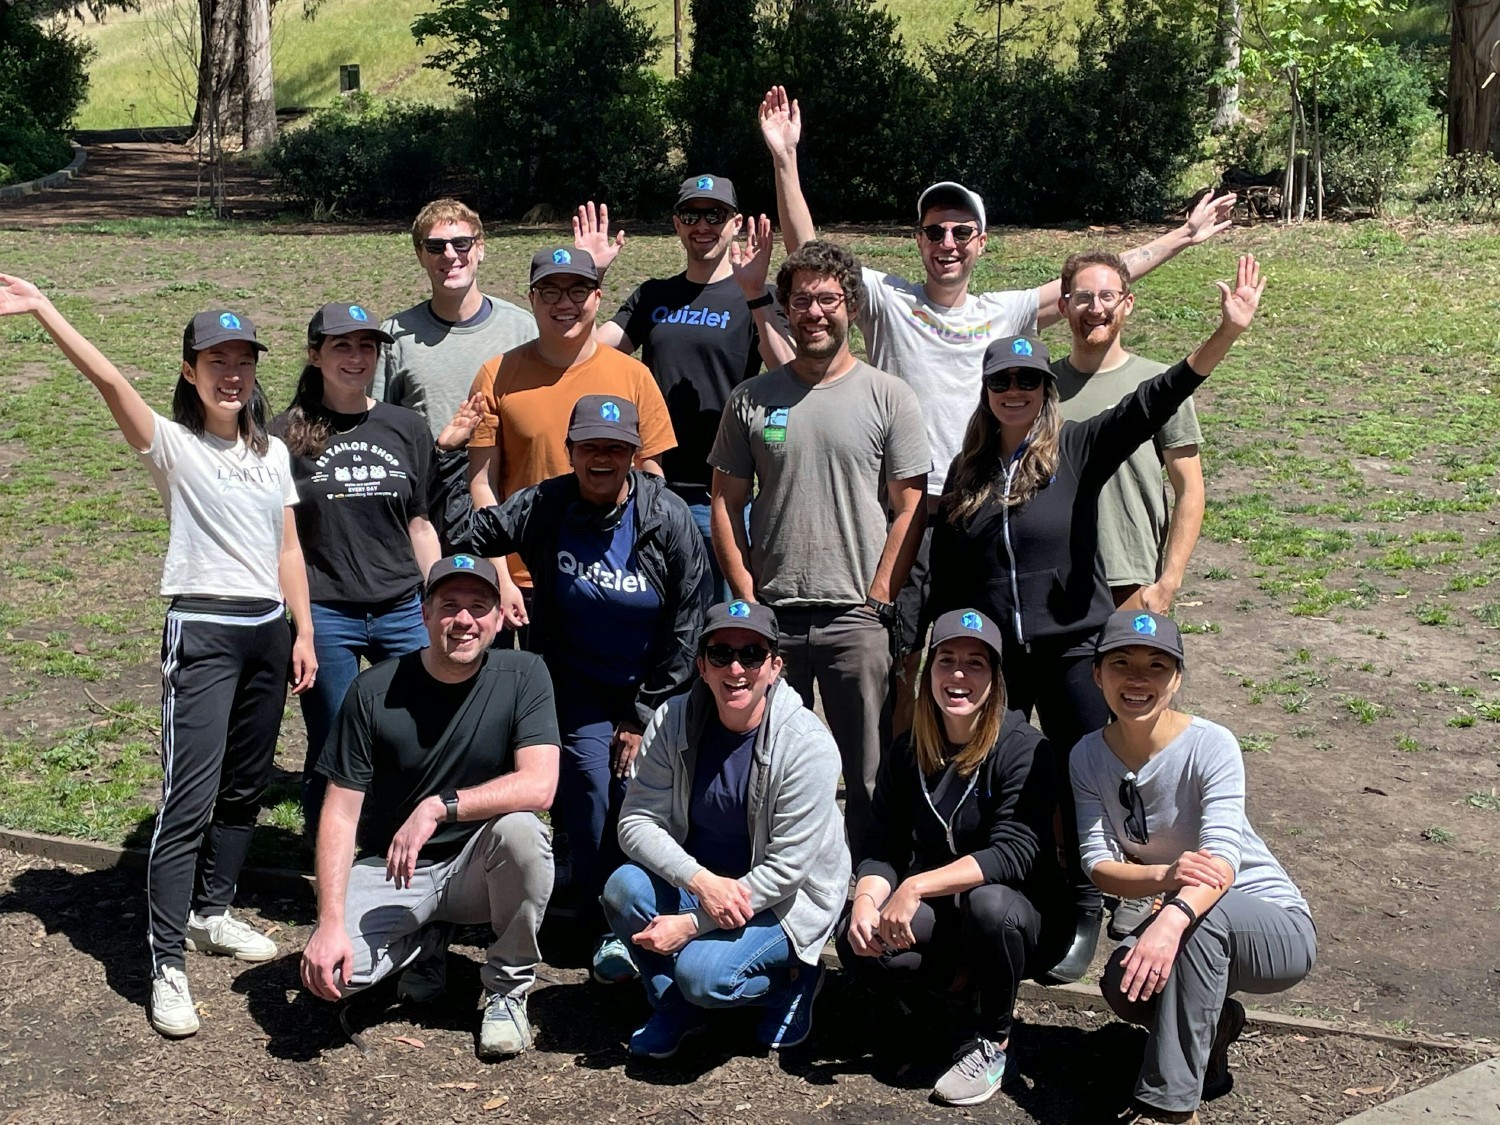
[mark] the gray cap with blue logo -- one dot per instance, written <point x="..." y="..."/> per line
<point x="965" y="623"/>
<point x="1130" y="627"/>
<point x="338" y="318"/>
<point x="740" y="614"/>
<point x="1017" y="351"/>
<point x="217" y="326"/>
<point x="563" y="260"/>
<point x="605" y="418"/>
<point x="716" y="189"/>
<point x="458" y="566"/>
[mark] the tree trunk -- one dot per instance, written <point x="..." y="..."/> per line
<point x="259" y="99"/>
<point x="1317" y="151"/>
<point x="1289" y="180"/>
<point x="1226" y="99"/>
<point x="1473" y="113"/>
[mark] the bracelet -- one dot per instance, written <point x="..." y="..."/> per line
<point x="868" y="895"/>
<point x="1185" y="908"/>
<point x="760" y="302"/>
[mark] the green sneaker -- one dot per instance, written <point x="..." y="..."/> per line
<point x="505" y="1030"/>
<point x="981" y="1069"/>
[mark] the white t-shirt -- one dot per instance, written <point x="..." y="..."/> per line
<point x="939" y="351"/>
<point x="225" y="505"/>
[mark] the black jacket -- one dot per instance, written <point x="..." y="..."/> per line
<point x="1004" y="819"/>
<point x="1035" y="570"/>
<point x="671" y="553"/>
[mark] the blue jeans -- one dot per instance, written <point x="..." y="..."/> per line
<point x="699" y="503"/>
<point x="342" y="633"/>
<point x="589" y="796"/>
<point x="719" y="969"/>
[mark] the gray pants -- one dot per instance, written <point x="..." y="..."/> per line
<point x="1244" y="944"/>
<point x="502" y="876"/>
<point x="847" y="652"/>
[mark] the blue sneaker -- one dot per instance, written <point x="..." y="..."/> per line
<point x="982" y="1067"/>
<point x="612" y="961"/>
<point x="664" y="1033"/>
<point x="789" y="1024"/>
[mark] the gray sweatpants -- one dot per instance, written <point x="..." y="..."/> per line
<point x="1244" y="944"/>
<point x="846" y="650"/>
<point x="502" y="876"/>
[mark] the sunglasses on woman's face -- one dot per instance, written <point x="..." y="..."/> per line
<point x="1025" y="378"/>
<point x="750" y="656"/>
<point x="1135" y="810"/>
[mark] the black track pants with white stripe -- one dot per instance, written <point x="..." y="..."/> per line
<point x="224" y="682"/>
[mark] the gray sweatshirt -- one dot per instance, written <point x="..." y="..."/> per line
<point x="799" y="860"/>
<point x="1194" y="793"/>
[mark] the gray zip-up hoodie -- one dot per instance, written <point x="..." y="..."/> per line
<point x="799" y="860"/>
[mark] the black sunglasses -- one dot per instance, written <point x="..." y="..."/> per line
<point x="962" y="232"/>
<point x="713" y="216"/>
<point x="1026" y="378"/>
<point x="1135" y="810"/>
<point x="722" y="656"/>
<point x="461" y="243"/>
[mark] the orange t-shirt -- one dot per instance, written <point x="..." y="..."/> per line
<point x="527" y="404"/>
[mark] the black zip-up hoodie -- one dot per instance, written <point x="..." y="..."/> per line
<point x="667" y="543"/>
<point x="1035" y="570"/>
<point x="1004" y="819"/>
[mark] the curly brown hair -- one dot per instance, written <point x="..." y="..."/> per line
<point x="825" y="259"/>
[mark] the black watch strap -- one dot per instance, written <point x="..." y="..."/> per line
<point x="760" y="302"/>
<point x="449" y="797"/>
<point x="886" y="611"/>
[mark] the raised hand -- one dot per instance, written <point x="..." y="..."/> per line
<point x="18" y="296"/>
<point x="1210" y="215"/>
<point x="780" y="122"/>
<point x="460" y="427"/>
<point x="751" y="263"/>
<point x="591" y="233"/>
<point x="1238" y="305"/>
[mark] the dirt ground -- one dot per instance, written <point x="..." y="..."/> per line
<point x="75" y="1045"/>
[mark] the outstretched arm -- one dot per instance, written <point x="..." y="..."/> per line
<point x="1237" y="310"/>
<point x="136" y="420"/>
<point x="751" y="265"/>
<point x="781" y="128"/>
<point x="1209" y="216"/>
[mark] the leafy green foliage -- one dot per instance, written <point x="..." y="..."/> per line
<point x="43" y="82"/>
<point x="1372" y="115"/>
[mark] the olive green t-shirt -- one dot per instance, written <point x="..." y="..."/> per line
<point x="1133" y="505"/>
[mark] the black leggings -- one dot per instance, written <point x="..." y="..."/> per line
<point x="1068" y="706"/>
<point x="994" y="935"/>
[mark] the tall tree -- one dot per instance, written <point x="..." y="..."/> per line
<point x="1226" y="97"/>
<point x="236" y="92"/>
<point x="1473" y="55"/>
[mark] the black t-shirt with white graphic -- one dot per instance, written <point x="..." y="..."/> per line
<point x="700" y="342"/>
<point x="403" y="736"/>
<point x="358" y="499"/>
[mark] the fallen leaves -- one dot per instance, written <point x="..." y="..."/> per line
<point x="495" y="1103"/>
<point x="409" y="1041"/>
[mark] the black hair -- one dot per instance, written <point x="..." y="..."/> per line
<point x="308" y="423"/>
<point x="187" y="411"/>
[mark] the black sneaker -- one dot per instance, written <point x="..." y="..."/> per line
<point x="1217" y="1081"/>
<point x="1080" y="954"/>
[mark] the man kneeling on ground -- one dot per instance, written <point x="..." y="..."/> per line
<point x="439" y="764"/>
<point x="739" y="865"/>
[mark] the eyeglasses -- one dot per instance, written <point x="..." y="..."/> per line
<point x="722" y="656"/>
<point x="825" y="301"/>
<point x="713" y="216"/>
<point x="1025" y="378"/>
<point x="461" y="243"/>
<point x="1107" y="298"/>
<point x="551" y="294"/>
<point x="936" y="232"/>
<point x="1135" y="810"/>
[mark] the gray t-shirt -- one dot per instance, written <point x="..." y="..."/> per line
<point x="822" y="455"/>
<point x="1194" y="794"/>
<point x="431" y="365"/>
<point x="1133" y="505"/>
<point x="939" y="351"/>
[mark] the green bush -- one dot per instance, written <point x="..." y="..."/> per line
<point x="30" y="153"/>
<point x="566" y="106"/>
<point x="1466" y="188"/>
<point x="364" y="156"/>
<point x="1371" y="118"/>
<point x="43" y="74"/>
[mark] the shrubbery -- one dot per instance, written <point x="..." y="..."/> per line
<point x="1467" y="188"/>
<point x="43" y="82"/>
<point x="1372" y="118"/>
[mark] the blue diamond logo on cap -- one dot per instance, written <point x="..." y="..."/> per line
<point x="463" y="562"/>
<point x="705" y="183"/>
<point x="1145" y="623"/>
<point x="739" y="609"/>
<point x="228" y="320"/>
<point x="562" y="258"/>
<point x="1021" y="347"/>
<point x="358" y="313"/>
<point x="970" y="621"/>
<point x="609" y="412"/>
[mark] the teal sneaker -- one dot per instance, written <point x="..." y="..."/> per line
<point x="612" y="961"/>
<point x="981" y="1068"/>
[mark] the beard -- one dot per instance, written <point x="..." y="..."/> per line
<point x="833" y="339"/>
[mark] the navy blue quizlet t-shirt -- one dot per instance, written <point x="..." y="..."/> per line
<point x="718" y="811"/>
<point x="605" y="608"/>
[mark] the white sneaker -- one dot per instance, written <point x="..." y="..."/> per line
<point x="172" y="1011"/>
<point x="227" y="935"/>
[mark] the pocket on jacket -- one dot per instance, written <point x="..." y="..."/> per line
<point x="1041" y="592"/>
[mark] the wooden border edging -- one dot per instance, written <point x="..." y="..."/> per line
<point x="1085" y="997"/>
<point x="52" y="180"/>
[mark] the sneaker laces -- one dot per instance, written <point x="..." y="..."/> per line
<point x="975" y="1056"/>
<point x="231" y="928"/>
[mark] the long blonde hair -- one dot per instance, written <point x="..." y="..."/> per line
<point x="978" y="477"/>
<point x="927" y="737"/>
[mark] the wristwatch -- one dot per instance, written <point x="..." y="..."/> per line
<point x="760" y="302"/>
<point x="886" y="611"/>
<point x="449" y="797"/>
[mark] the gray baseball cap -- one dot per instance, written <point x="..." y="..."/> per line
<point x="1130" y="627"/>
<point x="1016" y="351"/>
<point x="455" y="566"/>
<point x="217" y="326"/>
<point x="340" y="319"/>
<point x="740" y="614"/>
<point x="717" y="189"/>
<point x="563" y="260"/>
<point x="965" y="623"/>
<point x="607" y="417"/>
<point x="951" y="194"/>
